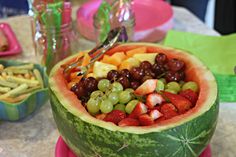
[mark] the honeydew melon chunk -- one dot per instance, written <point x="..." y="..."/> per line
<point x="150" y="57"/>
<point x="101" y="69"/>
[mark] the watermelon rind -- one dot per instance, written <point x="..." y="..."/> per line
<point x="88" y="136"/>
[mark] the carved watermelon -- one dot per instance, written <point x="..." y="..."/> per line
<point x="183" y="136"/>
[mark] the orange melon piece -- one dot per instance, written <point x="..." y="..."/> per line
<point x="115" y="59"/>
<point x="139" y="50"/>
<point x="106" y="59"/>
<point x="86" y="60"/>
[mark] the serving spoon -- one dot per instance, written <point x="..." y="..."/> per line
<point x="114" y="36"/>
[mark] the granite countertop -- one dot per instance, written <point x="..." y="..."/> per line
<point x="36" y="135"/>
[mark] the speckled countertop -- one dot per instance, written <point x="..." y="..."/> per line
<point x="36" y="135"/>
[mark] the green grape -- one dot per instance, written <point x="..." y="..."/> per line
<point x="130" y="106"/>
<point x="106" y="106"/>
<point x="96" y="94"/>
<point x="93" y="106"/>
<point x="103" y="85"/>
<point x="113" y="97"/>
<point x="190" y="85"/>
<point x="162" y="80"/>
<point x="117" y="87"/>
<point x="160" y="86"/>
<point x="174" y="86"/>
<point x="131" y="90"/>
<point x="125" y="97"/>
<point x="120" y="107"/>
<point x="170" y="91"/>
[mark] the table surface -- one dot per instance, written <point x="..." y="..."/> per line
<point x="36" y="135"/>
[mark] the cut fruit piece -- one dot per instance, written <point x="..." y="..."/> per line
<point x="190" y="95"/>
<point x="86" y="60"/>
<point x="147" y="87"/>
<point x="101" y="69"/>
<point x="139" y="109"/>
<point x="180" y="102"/>
<point x="101" y="116"/>
<point x="115" y="116"/>
<point x="145" y="120"/>
<point x="129" y="63"/>
<point x="168" y="110"/>
<point x="153" y="99"/>
<point x="116" y="59"/>
<point x="129" y="122"/>
<point x="155" y="114"/>
<point x="139" y="50"/>
<point x="150" y="57"/>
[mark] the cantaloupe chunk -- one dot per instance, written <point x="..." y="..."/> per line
<point x="146" y="57"/>
<point x="115" y="59"/>
<point x="86" y="60"/>
<point x="139" y="50"/>
<point x="129" y="63"/>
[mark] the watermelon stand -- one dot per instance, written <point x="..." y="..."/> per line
<point x="62" y="150"/>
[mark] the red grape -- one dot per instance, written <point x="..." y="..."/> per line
<point x="172" y="76"/>
<point x="158" y="69"/>
<point x="161" y="58"/>
<point x="113" y="75"/>
<point x="134" y="84"/>
<point x="149" y="72"/>
<point x="175" y="64"/>
<point x="137" y="73"/>
<point x="90" y="84"/>
<point x="124" y="81"/>
<point x="145" y="65"/>
<point x="126" y="73"/>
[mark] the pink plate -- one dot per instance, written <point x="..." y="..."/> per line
<point x="153" y="19"/>
<point x="14" y="46"/>
<point x="62" y="150"/>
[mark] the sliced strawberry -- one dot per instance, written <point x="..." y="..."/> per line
<point x="139" y="109"/>
<point x="115" y="116"/>
<point x="147" y="87"/>
<point x="145" y="120"/>
<point x="168" y="110"/>
<point x="129" y="122"/>
<point x="190" y="95"/>
<point x="101" y="116"/>
<point x="154" y="99"/>
<point x="155" y="114"/>
<point x="180" y="102"/>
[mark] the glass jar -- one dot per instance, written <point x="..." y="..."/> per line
<point x="112" y="14"/>
<point x="52" y="45"/>
<point x="122" y="14"/>
<point x="53" y="35"/>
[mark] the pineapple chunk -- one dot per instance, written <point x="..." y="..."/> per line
<point x="146" y="57"/>
<point x="101" y="69"/>
<point x="129" y="63"/>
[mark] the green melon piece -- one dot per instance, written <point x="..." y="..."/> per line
<point x="183" y="136"/>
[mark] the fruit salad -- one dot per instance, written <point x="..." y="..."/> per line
<point x="135" y="88"/>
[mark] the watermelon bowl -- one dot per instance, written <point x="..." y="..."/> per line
<point x="22" y="109"/>
<point x="187" y="134"/>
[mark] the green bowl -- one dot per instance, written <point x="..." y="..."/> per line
<point x="20" y="110"/>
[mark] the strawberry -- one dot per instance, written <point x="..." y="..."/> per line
<point x="147" y="87"/>
<point x="139" y="109"/>
<point x="155" y="114"/>
<point x="168" y="110"/>
<point x="190" y="95"/>
<point x="115" y="116"/>
<point x="146" y="120"/>
<point x="101" y="116"/>
<point x="129" y="122"/>
<point x="154" y="99"/>
<point x="180" y="102"/>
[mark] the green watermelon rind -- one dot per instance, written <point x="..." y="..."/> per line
<point x="185" y="137"/>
